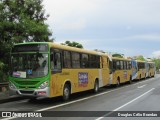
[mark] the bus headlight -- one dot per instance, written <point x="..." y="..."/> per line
<point x="43" y="85"/>
<point x="11" y="85"/>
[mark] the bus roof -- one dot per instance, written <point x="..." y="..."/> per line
<point x="151" y="62"/>
<point x="68" y="48"/>
<point x="64" y="47"/>
<point x="141" y="61"/>
<point x="116" y="58"/>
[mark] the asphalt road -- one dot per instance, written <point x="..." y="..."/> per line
<point x="140" y="96"/>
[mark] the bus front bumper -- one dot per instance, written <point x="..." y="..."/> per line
<point x="32" y="93"/>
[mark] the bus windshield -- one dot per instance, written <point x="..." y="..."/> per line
<point x="29" y="65"/>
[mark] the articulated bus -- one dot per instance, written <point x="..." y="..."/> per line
<point x="41" y="69"/>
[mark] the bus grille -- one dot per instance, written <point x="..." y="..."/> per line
<point x="27" y="82"/>
<point x="26" y="92"/>
<point x="24" y="87"/>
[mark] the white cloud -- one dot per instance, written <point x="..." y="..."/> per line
<point x="102" y="13"/>
<point x="68" y="14"/>
<point x="98" y="23"/>
<point x="147" y="37"/>
<point x="73" y="25"/>
<point x="140" y="37"/>
<point x="156" y="54"/>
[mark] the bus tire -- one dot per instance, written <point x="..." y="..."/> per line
<point x="145" y="76"/>
<point x="140" y="77"/>
<point x="66" y="92"/>
<point x="118" y="82"/>
<point x="96" y="86"/>
<point x="130" y="81"/>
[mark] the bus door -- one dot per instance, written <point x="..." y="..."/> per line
<point x="134" y="69"/>
<point x="56" y="70"/>
<point x="56" y="61"/>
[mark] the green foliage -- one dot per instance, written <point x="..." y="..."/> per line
<point x="141" y="58"/>
<point x="117" y="55"/>
<point x="21" y="21"/>
<point x="3" y="77"/>
<point x="157" y="62"/>
<point x="73" y="44"/>
<point x="1" y="65"/>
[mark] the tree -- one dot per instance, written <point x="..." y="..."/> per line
<point x="157" y="62"/>
<point x="140" y="58"/>
<point x="117" y="55"/>
<point x="73" y="44"/>
<point x="21" y="21"/>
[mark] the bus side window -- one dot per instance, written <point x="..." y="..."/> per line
<point x="57" y="60"/>
<point x="121" y="65"/>
<point x="111" y="66"/>
<point x="118" y="66"/>
<point x="52" y="63"/>
<point x="114" y="65"/>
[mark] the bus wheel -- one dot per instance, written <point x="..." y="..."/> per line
<point x="130" y="81"/>
<point x="118" y="83"/>
<point x="66" y="92"/>
<point x="96" y="86"/>
<point x="139" y="77"/>
<point x="145" y="76"/>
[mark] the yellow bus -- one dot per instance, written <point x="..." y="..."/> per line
<point x="121" y="71"/>
<point x="42" y="69"/>
<point x="152" y="69"/>
<point x="142" y="69"/>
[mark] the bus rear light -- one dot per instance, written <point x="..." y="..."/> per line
<point x="41" y="93"/>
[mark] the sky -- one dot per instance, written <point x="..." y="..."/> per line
<point x="129" y="27"/>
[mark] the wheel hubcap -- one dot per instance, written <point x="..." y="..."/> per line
<point x="66" y="92"/>
<point x="96" y="87"/>
<point x="117" y="82"/>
